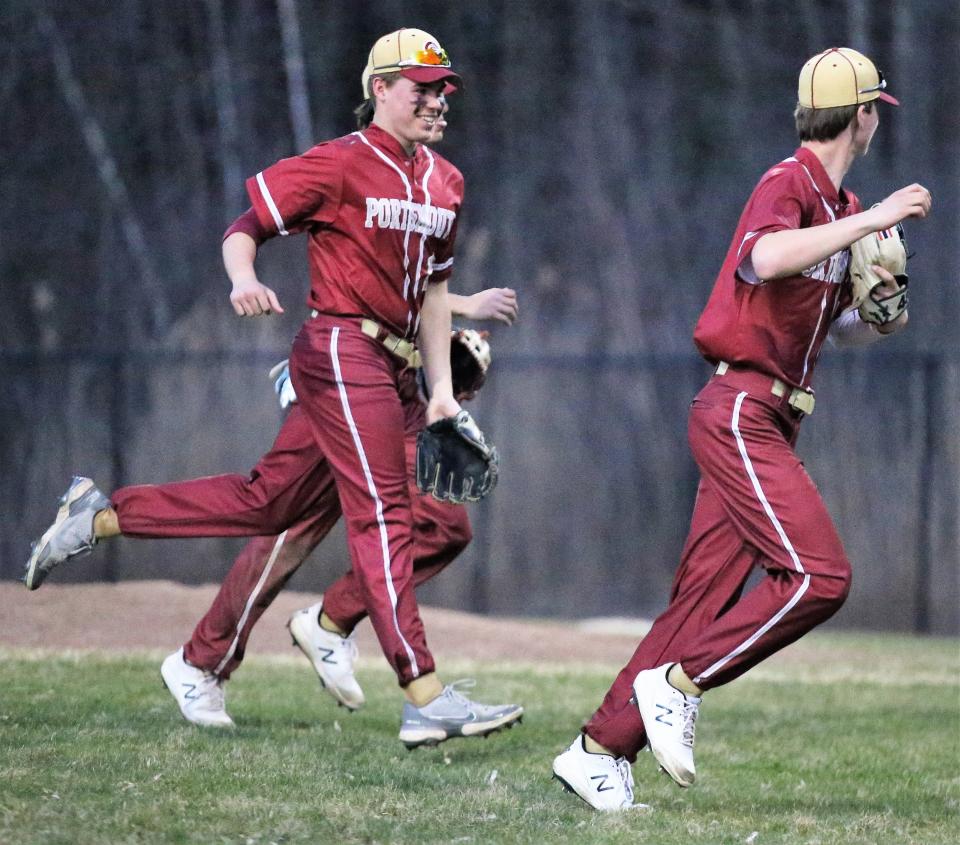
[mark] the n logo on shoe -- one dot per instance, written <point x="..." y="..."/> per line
<point x="191" y="693"/>
<point x="326" y="655"/>
<point x="669" y="712"/>
<point x="602" y="786"/>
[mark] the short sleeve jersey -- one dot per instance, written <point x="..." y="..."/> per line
<point x="778" y="327"/>
<point x="381" y="223"/>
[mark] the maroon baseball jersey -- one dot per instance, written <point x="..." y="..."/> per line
<point x="381" y="223"/>
<point x="779" y="326"/>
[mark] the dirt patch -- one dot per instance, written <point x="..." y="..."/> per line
<point x="162" y="614"/>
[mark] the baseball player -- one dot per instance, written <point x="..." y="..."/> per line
<point x="783" y="286"/>
<point x="325" y="632"/>
<point x="380" y="210"/>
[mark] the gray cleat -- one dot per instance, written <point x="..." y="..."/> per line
<point x="71" y="534"/>
<point x="452" y="714"/>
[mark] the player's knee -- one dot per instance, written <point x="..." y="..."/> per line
<point x="832" y="590"/>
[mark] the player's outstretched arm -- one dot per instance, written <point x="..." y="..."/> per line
<point x="491" y="304"/>
<point x="249" y="297"/>
<point x="790" y="251"/>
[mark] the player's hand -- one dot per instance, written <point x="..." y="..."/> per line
<point x="888" y="287"/>
<point x="494" y="304"/>
<point x="438" y="408"/>
<point x="250" y="298"/>
<point x="911" y="201"/>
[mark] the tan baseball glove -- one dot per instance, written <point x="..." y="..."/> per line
<point x="888" y="249"/>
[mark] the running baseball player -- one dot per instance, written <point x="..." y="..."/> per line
<point x="783" y="286"/>
<point x="380" y="210"/>
<point x="325" y="632"/>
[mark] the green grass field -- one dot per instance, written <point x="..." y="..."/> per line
<point x="843" y="739"/>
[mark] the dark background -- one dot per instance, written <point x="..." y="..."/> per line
<point x="608" y="149"/>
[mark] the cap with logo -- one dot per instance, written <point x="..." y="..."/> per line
<point x="415" y="54"/>
<point x="841" y="77"/>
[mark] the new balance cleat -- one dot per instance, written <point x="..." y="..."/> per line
<point x="603" y="781"/>
<point x="669" y="717"/>
<point x="452" y="714"/>
<point x="71" y="534"/>
<point x="198" y="693"/>
<point x="332" y="655"/>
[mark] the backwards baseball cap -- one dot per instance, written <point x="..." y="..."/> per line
<point x="415" y="54"/>
<point x="841" y="77"/>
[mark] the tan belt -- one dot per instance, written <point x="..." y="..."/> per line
<point x="397" y="345"/>
<point x="800" y="400"/>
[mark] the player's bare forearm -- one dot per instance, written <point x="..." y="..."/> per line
<point x="249" y="297"/>
<point x="790" y="251"/>
<point x="491" y="304"/>
<point x="433" y="341"/>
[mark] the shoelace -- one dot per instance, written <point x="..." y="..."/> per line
<point x="452" y="691"/>
<point x="349" y="645"/>
<point x="690" y="711"/>
<point x="212" y="690"/>
<point x="626" y="776"/>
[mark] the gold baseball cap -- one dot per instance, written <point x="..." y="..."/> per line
<point x="415" y="54"/>
<point x="841" y="77"/>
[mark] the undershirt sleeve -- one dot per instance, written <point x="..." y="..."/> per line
<point x="249" y="224"/>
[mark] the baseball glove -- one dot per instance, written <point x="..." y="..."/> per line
<point x="469" y="361"/>
<point x="455" y="463"/>
<point x="888" y="249"/>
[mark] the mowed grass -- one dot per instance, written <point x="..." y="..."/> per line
<point x="845" y="739"/>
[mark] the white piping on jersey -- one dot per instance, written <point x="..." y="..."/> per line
<point x="806" y="358"/>
<point x="406" y="234"/>
<point x="250" y="600"/>
<point x="268" y="199"/>
<point x="761" y="496"/>
<point x="436" y="268"/>
<point x="423" y="237"/>
<point x="746" y="238"/>
<point x="372" y="489"/>
<point x="823" y="302"/>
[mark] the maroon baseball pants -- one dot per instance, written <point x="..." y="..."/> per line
<point x="263" y="567"/>
<point x="362" y="410"/>
<point x="756" y="506"/>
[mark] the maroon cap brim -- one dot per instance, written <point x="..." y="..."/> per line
<point x="424" y="74"/>
<point x="889" y="99"/>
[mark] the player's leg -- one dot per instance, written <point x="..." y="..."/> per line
<point x="714" y="565"/>
<point x="267" y="501"/>
<point x="744" y="447"/>
<point x="441" y="531"/>
<point x="348" y="385"/>
<point x="326" y="631"/>
<point x="769" y="493"/>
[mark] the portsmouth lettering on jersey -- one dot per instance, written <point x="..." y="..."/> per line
<point x="407" y="216"/>
<point x="832" y="269"/>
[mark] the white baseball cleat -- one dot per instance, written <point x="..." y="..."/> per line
<point x="669" y="717"/>
<point x="603" y="781"/>
<point x="332" y="655"/>
<point x="198" y="694"/>
<point x="71" y="534"/>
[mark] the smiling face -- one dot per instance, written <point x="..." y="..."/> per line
<point x="408" y="110"/>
